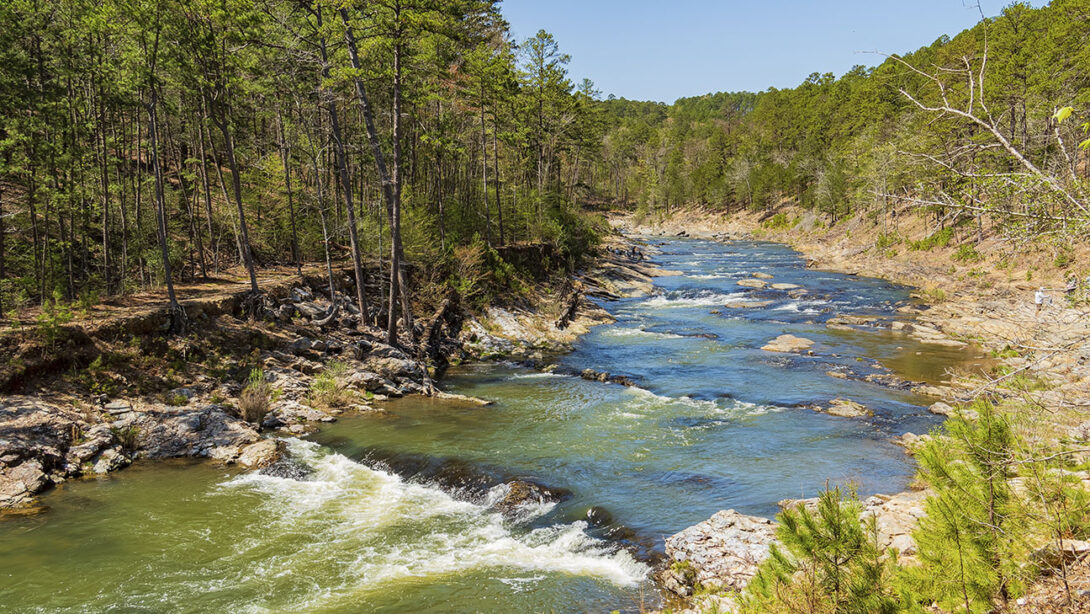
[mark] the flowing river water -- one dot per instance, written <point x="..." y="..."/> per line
<point x="398" y="514"/>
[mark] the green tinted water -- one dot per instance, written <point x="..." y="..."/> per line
<point x="711" y="426"/>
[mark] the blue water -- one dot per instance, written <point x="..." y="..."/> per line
<point x="714" y="422"/>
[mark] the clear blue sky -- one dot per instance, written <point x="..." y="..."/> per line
<point x="664" y="50"/>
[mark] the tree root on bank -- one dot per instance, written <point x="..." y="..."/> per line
<point x="256" y="305"/>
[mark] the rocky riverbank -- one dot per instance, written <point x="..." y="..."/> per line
<point x="138" y="395"/>
<point x="959" y="304"/>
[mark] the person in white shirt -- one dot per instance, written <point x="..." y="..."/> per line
<point x="1039" y="299"/>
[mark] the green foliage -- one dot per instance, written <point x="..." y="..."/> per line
<point x="940" y="238"/>
<point x="257" y="397"/>
<point x="967" y="253"/>
<point x="972" y="539"/>
<point x="328" y="390"/>
<point x="780" y="221"/>
<point x="887" y="240"/>
<point x="128" y="437"/>
<point x="828" y="559"/>
<point x="55" y="314"/>
<point x="1065" y="257"/>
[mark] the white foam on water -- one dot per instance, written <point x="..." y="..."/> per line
<point x="797" y="307"/>
<point x="734" y="407"/>
<point x="379" y="529"/>
<point x="704" y="299"/>
<point x="615" y="331"/>
<point x="540" y="375"/>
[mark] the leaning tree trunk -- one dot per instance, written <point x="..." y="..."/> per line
<point x="390" y="183"/>
<point x="346" y="180"/>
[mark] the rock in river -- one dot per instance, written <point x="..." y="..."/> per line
<point x="788" y="343"/>
<point x="847" y="409"/>
<point x="522" y="492"/>
<point x="752" y="283"/>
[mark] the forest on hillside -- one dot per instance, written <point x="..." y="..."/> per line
<point x="988" y="123"/>
<point x="147" y="142"/>
<point x="144" y="142"/>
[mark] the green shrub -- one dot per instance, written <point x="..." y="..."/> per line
<point x="1064" y="257"/>
<point x="257" y="398"/>
<point x="887" y="240"/>
<point x="830" y="558"/>
<point x="328" y="389"/>
<point x="55" y="314"/>
<point x="972" y="537"/>
<point x="967" y="253"/>
<point x="780" y="221"/>
<point x="128" y="437"/>
<point x="941" y="238"/>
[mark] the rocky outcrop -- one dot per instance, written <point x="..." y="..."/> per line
<point x="721" y="552"/>
<point x="788" y="344"/>
<point x="726" y="550"/>
<point x="262" y="454"/>
<point x="35" y="437"/>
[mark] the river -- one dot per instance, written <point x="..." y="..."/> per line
<point x="381" y="525"/>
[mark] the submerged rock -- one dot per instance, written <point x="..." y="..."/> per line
<point x="287" y="468"/>
<point x="523" y="492"/>
<point x="747" y="304"/>
<point x="599" y="516"/>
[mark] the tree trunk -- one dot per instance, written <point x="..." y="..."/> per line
<point x="287" y="186"/>
<point x="346" y="182"/>
<point x="177" y="322"/>
<point x="496" y="175"/>
<point x="390" y="183"/>
<point x="212" y="239"/>
<point x="236" y="183"/>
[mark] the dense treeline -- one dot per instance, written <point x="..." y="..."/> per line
<point x="966" y="125"/>
<point x="148" y="141"/>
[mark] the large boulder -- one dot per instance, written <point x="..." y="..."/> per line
<point x="20" y="482"/>
<point x="209" y="432"/>
<point x="261" y="454"/>
<point x="35" y="437"/>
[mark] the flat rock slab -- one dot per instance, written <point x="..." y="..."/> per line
<point x="785" y="286"/>
<point x="847" y="409"/>
<point x="787" y="344"/>
<point x="752" y="283"/>
<point x="747" y="304"/>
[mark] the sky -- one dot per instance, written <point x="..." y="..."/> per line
<point x="664" y="50"/>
